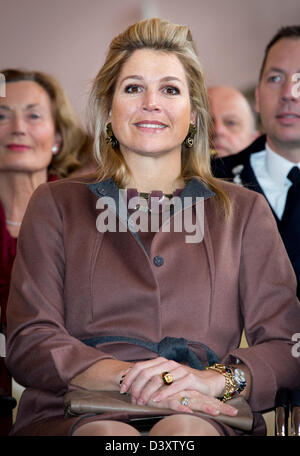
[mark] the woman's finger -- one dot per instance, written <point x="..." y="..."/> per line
<point x="208" y="404"/>
<point x="142" y="372"/>
<point x="206" y="382"/>
<point x="156" y="384"/>
<point x="153" y="377"/>
<point x="134" y="371"/>
<point x="193" y="401"/>
<point x="184" y="380"/>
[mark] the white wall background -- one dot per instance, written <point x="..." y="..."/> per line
<point x="69" y="38"/>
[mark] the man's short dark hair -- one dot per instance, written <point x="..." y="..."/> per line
<point x="290" y="32"/>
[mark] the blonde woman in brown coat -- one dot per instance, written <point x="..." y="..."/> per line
<point x="105" y="303"/>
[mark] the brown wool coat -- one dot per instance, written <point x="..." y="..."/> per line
<point x="71" y="282"/>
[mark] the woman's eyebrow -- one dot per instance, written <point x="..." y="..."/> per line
<point x="33" y="105"/>
<point x="37" y="106"/>
<point x="132" y="76"/>
<point x="30" y="106"/>
<point x="171" y="78"/>
<point x="140" y="78"/>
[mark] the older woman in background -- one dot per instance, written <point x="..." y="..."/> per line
<point x="40" y="140"/>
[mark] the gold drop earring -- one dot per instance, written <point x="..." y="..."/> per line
<point x="189" y="140"/>
<point x="110" y="137"/>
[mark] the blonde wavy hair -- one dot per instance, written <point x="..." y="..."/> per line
<point x="75" y="144"/>
<point x="160" y="35"/>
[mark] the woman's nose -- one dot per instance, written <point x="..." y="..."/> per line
<point x="151" y="101"/>
<point x="18" y="125"/>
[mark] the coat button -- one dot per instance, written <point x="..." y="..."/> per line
<point x="158" y="261"/>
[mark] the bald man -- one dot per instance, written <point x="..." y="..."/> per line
<point x="234" y="122"/>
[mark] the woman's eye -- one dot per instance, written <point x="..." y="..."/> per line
<point x="169" y="90"/>
<point x="231" y="123"/>
<point x="34" y="116"/>
<point x="133" y="88"/>
<point x="2" y="117"/>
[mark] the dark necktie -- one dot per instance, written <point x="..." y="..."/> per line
<point x="290" y="222"/>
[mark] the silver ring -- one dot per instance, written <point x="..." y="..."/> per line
<point x="184" y="400"/>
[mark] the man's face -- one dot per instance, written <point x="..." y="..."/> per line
<point x="279" y="108"/>
<point x="233" y="120"/>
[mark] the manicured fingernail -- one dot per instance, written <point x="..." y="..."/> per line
<point x="123" y="388"/>
<point x="233" y="411"/>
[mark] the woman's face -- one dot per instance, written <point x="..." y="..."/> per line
<point x="151" y="108"/>
<point x="27" y="131"/>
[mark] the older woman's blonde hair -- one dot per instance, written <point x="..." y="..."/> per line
<point x="160" y="35"/>
<point x="75" y="145"/>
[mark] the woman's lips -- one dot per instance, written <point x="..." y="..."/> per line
<point x="18" y="147"/>
<point x="150" y="126"/>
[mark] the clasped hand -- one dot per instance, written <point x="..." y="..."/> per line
<point x="201" y="388"/>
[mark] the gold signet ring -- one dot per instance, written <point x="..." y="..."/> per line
<point x="167" y="378"/>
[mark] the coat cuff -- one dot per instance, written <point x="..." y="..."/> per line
<point x="260" y="398"/>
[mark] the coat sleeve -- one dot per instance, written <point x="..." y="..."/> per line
<point x="40" y="351"/>
<point x="269" y="307"/>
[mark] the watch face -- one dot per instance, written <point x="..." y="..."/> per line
<point x="240" y="376"/>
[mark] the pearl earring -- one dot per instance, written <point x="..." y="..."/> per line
<point x="54" y="149"/>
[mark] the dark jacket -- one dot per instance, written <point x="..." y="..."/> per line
<point x="238" y="168"/>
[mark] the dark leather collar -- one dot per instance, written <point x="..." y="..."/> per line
<point x="194" y="188"/>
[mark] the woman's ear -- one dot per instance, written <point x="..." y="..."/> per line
<point x="193" y="117"/>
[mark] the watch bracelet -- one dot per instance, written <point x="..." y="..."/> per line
<point x="231" y="386"/>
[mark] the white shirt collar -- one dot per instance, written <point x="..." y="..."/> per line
<point x="277" y="166"/>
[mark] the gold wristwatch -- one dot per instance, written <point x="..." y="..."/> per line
<point x="235" y="380"/>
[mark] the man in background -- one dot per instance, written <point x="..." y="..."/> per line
<point x="271" y="165"/>
<point x="233" y="120"/>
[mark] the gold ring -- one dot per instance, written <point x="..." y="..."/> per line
<point x="167" y="378"/>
